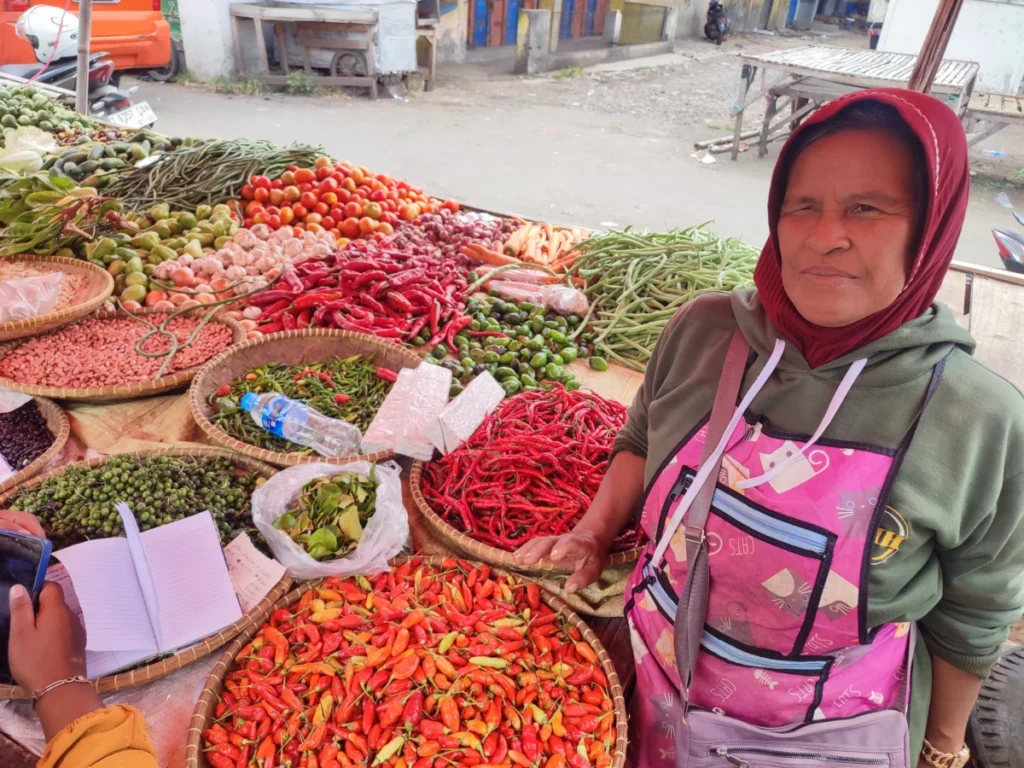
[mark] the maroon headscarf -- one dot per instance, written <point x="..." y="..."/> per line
<point x="945" y="147"/>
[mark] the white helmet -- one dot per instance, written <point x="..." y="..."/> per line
<point x="44" y="28"/>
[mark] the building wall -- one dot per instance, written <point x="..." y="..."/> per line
<point x="989" y="32"/>
<point x="691" y="13"/>
<point x="206" y="36"/>
<point x="451" y="33"/>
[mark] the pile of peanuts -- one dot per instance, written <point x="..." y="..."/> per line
<point x="70" y="284"/>
<point x="101" y="352"/>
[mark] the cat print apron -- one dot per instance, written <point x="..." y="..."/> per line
<point x="789" y="540"/>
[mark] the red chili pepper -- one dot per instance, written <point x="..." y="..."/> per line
<point x="387" y="374"/>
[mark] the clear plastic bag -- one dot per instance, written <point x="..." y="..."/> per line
<point x="560" y="298"/>
<point x="28" y="297"/>
<point x="383" y="538"/>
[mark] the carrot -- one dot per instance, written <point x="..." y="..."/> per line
<point x="514" y="243"/>
<point x="555" y="244"/>
<point x="487" y="256"/>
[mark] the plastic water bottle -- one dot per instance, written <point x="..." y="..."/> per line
<point x="297" y="422"/>
<point x="993" y="153"/>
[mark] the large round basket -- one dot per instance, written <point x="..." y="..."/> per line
<point x="120" y="391"/>
<point x="291" y="348"/>
<point x="60" y="427"/>
<point x="202" y="715"/>
<point x="462" y="543"/>
<point x="154" y="671"/>
<point x="98" y="285"/>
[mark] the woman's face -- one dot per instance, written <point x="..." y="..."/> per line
<point x="847" y="226"/>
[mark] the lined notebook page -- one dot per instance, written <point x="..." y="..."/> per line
<point x="142" y="571"/>
<point x="108" y="590"/>
<point x="196" y="598"/>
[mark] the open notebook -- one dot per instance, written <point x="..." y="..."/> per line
<point x="150" y="593"/>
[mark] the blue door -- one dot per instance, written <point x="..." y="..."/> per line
<point x="565" y="28"/>
<point x="511" y="21"/>
<point x="481" y="23"/>
<point x="591" y="19"/>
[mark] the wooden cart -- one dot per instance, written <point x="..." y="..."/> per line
<point x="989" y="113"/>
<point x="315" y="23"/>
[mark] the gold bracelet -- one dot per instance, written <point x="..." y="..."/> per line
<point x="938" y="759"/>
<point x="47" y="688"/>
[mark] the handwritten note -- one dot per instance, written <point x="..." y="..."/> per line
<point x="253" y="574"/>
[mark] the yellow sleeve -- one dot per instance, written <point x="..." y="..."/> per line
<point x="113" y="737"/>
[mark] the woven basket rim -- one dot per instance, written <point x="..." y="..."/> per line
<point x="49" y="410"/>
<point x="218" y="436"/>
<point x="211" y="688"/>
<point x="119" y="391"/>
<point x="164" y="667"/>
<point x="16" y="329"/>
<point x="487" y="553"/>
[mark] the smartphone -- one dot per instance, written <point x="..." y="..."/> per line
<point x="23" y="560"/>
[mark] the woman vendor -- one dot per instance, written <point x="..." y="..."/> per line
<point x="869" y="494"/>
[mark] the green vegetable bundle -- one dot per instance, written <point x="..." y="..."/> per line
<point x="331" y="514"/>
<point x="208" y="174"/>
<point x="78" y="504"/>
<point x="637" y="281"/>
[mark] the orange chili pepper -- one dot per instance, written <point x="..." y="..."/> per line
<point x="401" y="642"/>
<point x="414" y="618"/>
<point x="450" y="714"/>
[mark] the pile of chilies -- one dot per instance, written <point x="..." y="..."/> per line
<point x="386" y="287"/>
<point x="424" y="668"/>
<point x="531" y="469"/>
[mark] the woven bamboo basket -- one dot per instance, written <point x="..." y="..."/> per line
<point x="461" y="542"/>
<point x="203" y="713"/>
<point x="60" y="428"/>
<point x="163" y="667"/>
<point x="130" y="391"/>
<point x="99" y="284"/>
<point x="289" y="347"/>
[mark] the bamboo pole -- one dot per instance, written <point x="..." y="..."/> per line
<point x="84" y="37"/>
<point x="934" y="47"/>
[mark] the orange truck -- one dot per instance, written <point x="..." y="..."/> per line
<point x="133" y="32"/>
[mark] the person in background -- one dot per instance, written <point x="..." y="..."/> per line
<point x="46" y="653"/>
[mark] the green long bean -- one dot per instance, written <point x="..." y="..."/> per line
<point x="636" y="281"/>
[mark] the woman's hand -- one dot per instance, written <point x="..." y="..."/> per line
<point x="45" y="648"/>
<point x="581" y="552"/>
<point x="20" y="522"/>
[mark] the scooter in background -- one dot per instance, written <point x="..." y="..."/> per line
<point x="1011" y="247"/>
<point x="717" y="24"/>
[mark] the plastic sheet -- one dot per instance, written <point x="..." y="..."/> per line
<point x="416" y="399"/>
<point x="560" y="298"/>
<point x="464" y="415"/>
<point x="28" y="297"/>
<point x="383" y="538"/>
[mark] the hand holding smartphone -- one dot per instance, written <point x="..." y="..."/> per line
<point x="23" y="561"/>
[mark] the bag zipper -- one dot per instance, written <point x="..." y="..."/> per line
<point x="743" y="658"/>
<point x="731" y="757"/>
<point x="812" y="542"/>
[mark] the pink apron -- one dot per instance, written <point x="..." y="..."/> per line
<point x="786" y="638"/>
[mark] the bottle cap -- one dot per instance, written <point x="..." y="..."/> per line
<point x="248" y="401"/>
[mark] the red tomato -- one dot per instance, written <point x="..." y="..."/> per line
<point x="330" y="198"/>
<point x="451" y="205"/>
<point x="273" y="210"/>
<point x="260" y="182"/>
<point x="261" y="194"/>
<point x="349" y="184"/>
<point x="364" y="191"/>
<point x="274" y="222"/>
<point x="293" y="168"/>
<point x="353" y="210"/>
<point x="410" y="212"/>
<point x="338" y="176"/>
<point x="261" y="218"/>
<point x="309" y="199"/>
<point x="247" y="192"/>
<point x="305" y="187"/>
<point x="287" y="215"/>
<point x="277" y="196"/>
<point x="358" y="175"/>
<point x="314" y="228"/>
<point x="247" y="223"/>
<point x="299" y="210"/>
<point x="378" y="196"/>
<point x="344" y="196"/>
<point x="367" y="225"/>
<point x="327" y="222"/>
<point x="337" y="213"/>
<point x="336" y="234"/>
<point x="329" y="185"/>
<point x="373" y="210"/>
<point x="253" y="208"/>
<point x="287" y="178"/>
<point x="387" y="181"/>
<point x="385" y="229"/>
<point x="323" y="173"/>
<point x="291" y="193"/>
<point x="276" y="184"/>
<point x="305" y="176"/>
<point x="322" y="162"/>
<point x="313" y="218"/>
<point x="389" y="217"/>
<point x="322" y="208"/>
<point x="350" y="227"/>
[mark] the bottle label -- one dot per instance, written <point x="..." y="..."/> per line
<point x="278" y="411"/>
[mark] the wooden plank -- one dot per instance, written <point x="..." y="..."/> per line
<point x="356" y="82"/>
<point x="334" y="43"/>
<point x="999" y="275"/>
<point x="236" y="29"/>
<point x="954" y="294"/>
<point x="303" y="13"/>
<point x="282" y="50"/>
<point x="997" y="310"/>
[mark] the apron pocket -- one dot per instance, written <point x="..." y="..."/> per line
<point x="751" y="757"/>
<point x="767" y="574"/>
<point x="755" y="688"/>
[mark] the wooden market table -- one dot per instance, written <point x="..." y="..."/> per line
<point x="315" y="25"/>
<point x="989" y="113"/>
<point x="806" y="77"/>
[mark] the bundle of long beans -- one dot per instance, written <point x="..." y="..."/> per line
<point x="208" y="174"/>
<point x="636" y="282"/>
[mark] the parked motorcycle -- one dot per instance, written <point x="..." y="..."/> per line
<point x="717" y="24"/>
<point x="53" y="36"/>
<point x="1011" y="249"/>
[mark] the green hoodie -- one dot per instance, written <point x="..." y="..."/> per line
<point x="958" y="498"/>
